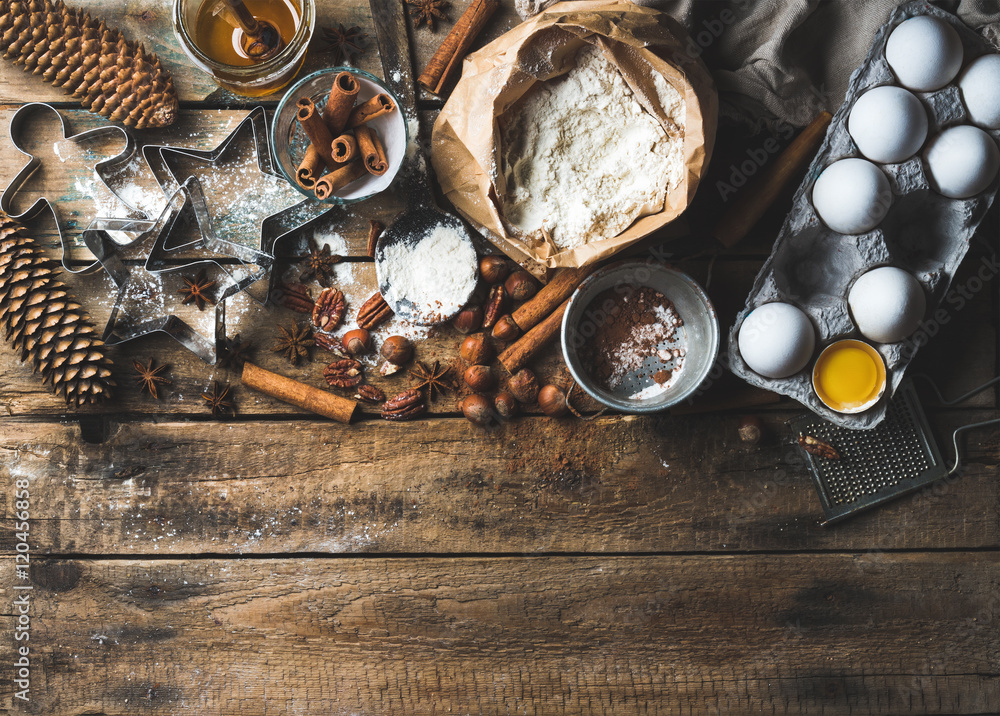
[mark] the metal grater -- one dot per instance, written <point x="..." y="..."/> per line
<point x="895" y="457"/>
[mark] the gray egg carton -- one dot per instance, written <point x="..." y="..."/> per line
<point x="925" y="233"/>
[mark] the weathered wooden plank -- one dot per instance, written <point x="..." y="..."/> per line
<point x="795" y="634"/>
<point x="670" y="484"/>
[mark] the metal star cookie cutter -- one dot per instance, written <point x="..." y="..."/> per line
<point x="124" y="327"/>
<point x="273" y="227"/>
<point x="18" y="129"/>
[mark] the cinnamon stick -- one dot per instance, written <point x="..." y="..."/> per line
<point x="310" y="169"/>
<point x="338" y="108"/>
<point x="295" y="393"/>
<point x="753" y="201"/>
<point x="565" y="281"/>
<point x="451" y="52"/>
<point x="344" y="148"/>
<point x="517" y="354"/>
<point x="339" y="178"/>
<point x="372" y="151"/>
<point x="374" y="108"/>
<point x="315" y="128"/>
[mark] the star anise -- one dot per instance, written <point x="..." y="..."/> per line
<point x="434" y="379"/>
<point x="294" y="343"/>
<point x="233" y="352"/>
<point x="427" y="10"/>
<point x="197" y="290"/>
<point x="149" y="376"/>
<point x="217" y="402"/>
<point x="320" y="263"/>
<point x="345" y="43"/>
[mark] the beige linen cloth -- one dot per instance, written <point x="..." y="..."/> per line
<point x="784" y="60"/>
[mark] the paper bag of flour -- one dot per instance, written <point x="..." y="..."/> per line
<point x="646" y="46"/>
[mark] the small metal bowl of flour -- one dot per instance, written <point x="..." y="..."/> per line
<point x="428" y="269"/>
<point x="640" y="337"/>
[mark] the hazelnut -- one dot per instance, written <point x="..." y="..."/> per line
<point x="493" y="269"/>
<point x="468" y="320"/>
<point x="524" y="385"/>
<point x="478" y="409"/>
<point x="506" y="330"/>
<point x="751" y="430"/>
<point x="480" y="378"/>
<point x="505" y="404"/>
<point x="552" y="400"/>
<point x="520" y="286"/>
<point x="397" y="349"/>
<point x="476" y="350"/>
<point x="357" y="342"/>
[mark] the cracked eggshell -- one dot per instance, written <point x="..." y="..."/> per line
<point x="925" y="53"/>
<point x="888" y="124"/>
<point x="852" y="196"/>
<point x="887" y="304"/>
<point x="961" y="161"/>
<point x="980" y="88"/>
<point x="777" y="340"/>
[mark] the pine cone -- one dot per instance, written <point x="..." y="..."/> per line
<point x="112" y="76"/>
<point x="45" y="324"/>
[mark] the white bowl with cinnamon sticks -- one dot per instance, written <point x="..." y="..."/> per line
<point x="339" y="136"/>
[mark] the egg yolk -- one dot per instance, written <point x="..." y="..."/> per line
<point x="848" y="376"/>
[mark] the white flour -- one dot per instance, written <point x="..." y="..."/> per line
<point x="437" y="274"/>
<point x="581" y="157"/>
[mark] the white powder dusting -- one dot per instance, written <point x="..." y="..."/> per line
<point x="437" y="274"/>
<point x="336" y="242"/>
<point x="583" y="159"/>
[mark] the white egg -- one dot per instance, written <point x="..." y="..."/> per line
<point x="980" y="87"/>
<point x="925" y="53"/>
<point x="887" y="303"/>
<point x="961" y="161"/>
<point x="776" y="340"/>
<point x="852" y="196"/>
<point x="888" y="124"/>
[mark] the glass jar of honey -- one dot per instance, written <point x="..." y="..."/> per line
<point x="209" y="33"/>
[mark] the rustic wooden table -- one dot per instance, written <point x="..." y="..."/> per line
<point x="279" y="563"/>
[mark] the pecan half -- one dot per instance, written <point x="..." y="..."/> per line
<point x="294" y="296"/>
<point x="817" y="447"/>
<point x="404" y="406"/>
<point x="373" y="312"/>
<point x="329" y="309"/>
<point x="494" y="306"/>
<point x="329" y="342"/>
<point x="370" y="394"/>
<point x="344" y="373"/>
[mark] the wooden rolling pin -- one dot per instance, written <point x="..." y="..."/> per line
<point x="752" y="202"/>
<point x="299" y="394"/>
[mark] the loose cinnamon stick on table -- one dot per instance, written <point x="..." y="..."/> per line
<point x="372" y="152"/>
<point x="316" y="129"/>
<point x="295" y="393"/>
<point x="339" y="178"/>
<point x="753" y="201"/>
<point x="529" y="313"/>
<point x="451" y="52"/>
<point x="517" y="354"/>
<point x="341" y="101"/>
<point x="371" y="109"/>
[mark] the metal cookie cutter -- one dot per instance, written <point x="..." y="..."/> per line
<point x="184" y="207"/>
<point x="18" y="127"/>
<point x="896" y="457"/>
<point x="273" y="227"/>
